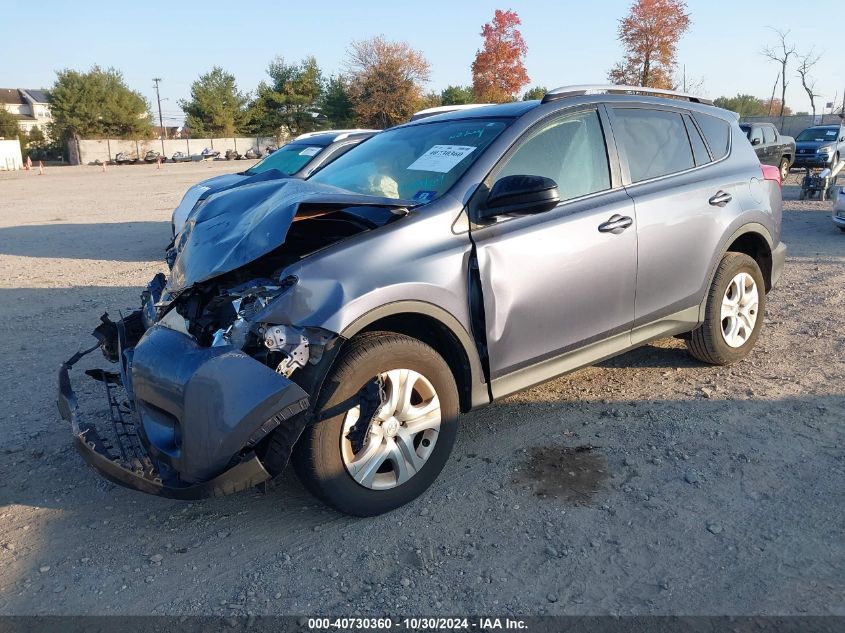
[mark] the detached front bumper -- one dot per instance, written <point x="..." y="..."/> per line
<point x="189" y="419"/>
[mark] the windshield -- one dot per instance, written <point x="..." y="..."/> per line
<point x="418" y="162"/>
<point x="818" y="134"/>
<point x="288" y="159"/>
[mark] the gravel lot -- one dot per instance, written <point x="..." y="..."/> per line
<point x="649" y="484"/>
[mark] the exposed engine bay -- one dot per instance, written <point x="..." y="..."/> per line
<point x="206" y="381"/>
<point x="221" y="311"/>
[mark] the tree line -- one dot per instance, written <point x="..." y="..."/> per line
<point x="382" y="83"/>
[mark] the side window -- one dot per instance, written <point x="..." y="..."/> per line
<point x="768" y="134"/>
<point x="569" y="150"/>
<point x="655" y="142"/>
<point x="699" y="149"/>
<point x="717" y="133"/>
<point x="756" y="136"/>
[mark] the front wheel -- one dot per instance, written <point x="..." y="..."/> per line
<point x="386" y="421"/>
<point x="734" y="313"/>
<point x="784" y="168"/>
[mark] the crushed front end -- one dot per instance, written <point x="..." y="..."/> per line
<point x="197" y="389"/>
<point x="204" y="384"/>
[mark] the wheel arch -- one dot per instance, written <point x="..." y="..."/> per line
<point x="756" y="245"/>
<point x="437" y="328"/>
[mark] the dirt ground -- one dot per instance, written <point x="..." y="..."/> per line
<point x="649" y="484"/>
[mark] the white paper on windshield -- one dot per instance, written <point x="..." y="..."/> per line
<point x="441" y="158"/>
<point x="310" y="151"/>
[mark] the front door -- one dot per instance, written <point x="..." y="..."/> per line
<point x="556" y="281"/>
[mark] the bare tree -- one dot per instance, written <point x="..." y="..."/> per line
<point x="689" y="84"/>
<point x="780" y="53"/>
<point x="805" y="66"/>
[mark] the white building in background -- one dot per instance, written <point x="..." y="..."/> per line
<point x="30" y="107"/>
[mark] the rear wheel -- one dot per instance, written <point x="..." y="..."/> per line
<point x="386" y="424"/>
<point x="734" y="313"/>
<point x="784" y="168"/>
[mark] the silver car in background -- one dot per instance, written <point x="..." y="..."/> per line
<point x="298" y="159"/>
<point x="344" y="322"/>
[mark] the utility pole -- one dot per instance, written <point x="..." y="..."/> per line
<point x="160" y="119"/>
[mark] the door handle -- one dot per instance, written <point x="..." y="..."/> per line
<point x="720" y="199"/>
<point x="616" y="224"/>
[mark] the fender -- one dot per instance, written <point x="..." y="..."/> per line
<point x="751" y="227"/>
<point x="479" y="393"/>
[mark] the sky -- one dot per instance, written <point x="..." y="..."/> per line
<point x="569" y="41"/>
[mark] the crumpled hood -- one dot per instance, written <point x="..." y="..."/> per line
<point x="239" y="225"/>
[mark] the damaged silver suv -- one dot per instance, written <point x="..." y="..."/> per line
<point x="344" y="322"/>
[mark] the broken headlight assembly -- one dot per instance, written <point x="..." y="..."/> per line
<point x="284" y="348"/>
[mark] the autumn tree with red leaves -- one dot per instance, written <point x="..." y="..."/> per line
<point x="650" y="34"/>
<point x="498" y="72"/>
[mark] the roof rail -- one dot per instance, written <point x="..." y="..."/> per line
<point x="595" y="89"/>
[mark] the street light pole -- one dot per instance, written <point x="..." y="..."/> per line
<point x="160" y="118"/>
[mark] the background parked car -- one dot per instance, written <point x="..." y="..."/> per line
<point x="771" y="147"/>
<point x="298" y="159"/>
<point x="424" y="114"/>
<point x="820" y="146"/>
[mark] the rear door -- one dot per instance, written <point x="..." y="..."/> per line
<point x="555" y="281"/>
<point x="682" y="188"/>
<point x="771" y="154"/>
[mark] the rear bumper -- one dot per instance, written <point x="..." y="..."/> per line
<point x="186" y="426"/>
<point x="778" y="260"/>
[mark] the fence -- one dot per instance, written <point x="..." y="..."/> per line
<point x="86" y="152"/>
<point x="792" y="125"/>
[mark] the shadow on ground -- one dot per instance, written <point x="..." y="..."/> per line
<point x="117" y="241"/>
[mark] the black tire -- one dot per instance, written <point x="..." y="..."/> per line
<point x="841" y="228"/>
<point x="784" y="168"/>
<point x="707" y="343"/>
<point x="317" y="455"/>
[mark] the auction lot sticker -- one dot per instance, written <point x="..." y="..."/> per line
<point x="441" y="158"/>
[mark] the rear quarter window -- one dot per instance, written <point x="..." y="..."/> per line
<point x="716" y="132"/>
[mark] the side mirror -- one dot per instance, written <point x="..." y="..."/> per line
<point x="756" y="141"/>
<point x="521" y="194"/>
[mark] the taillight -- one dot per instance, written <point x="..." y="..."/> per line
<point x="771" y="173"/>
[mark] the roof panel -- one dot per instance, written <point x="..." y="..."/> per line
<point x="11" y="96"/>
